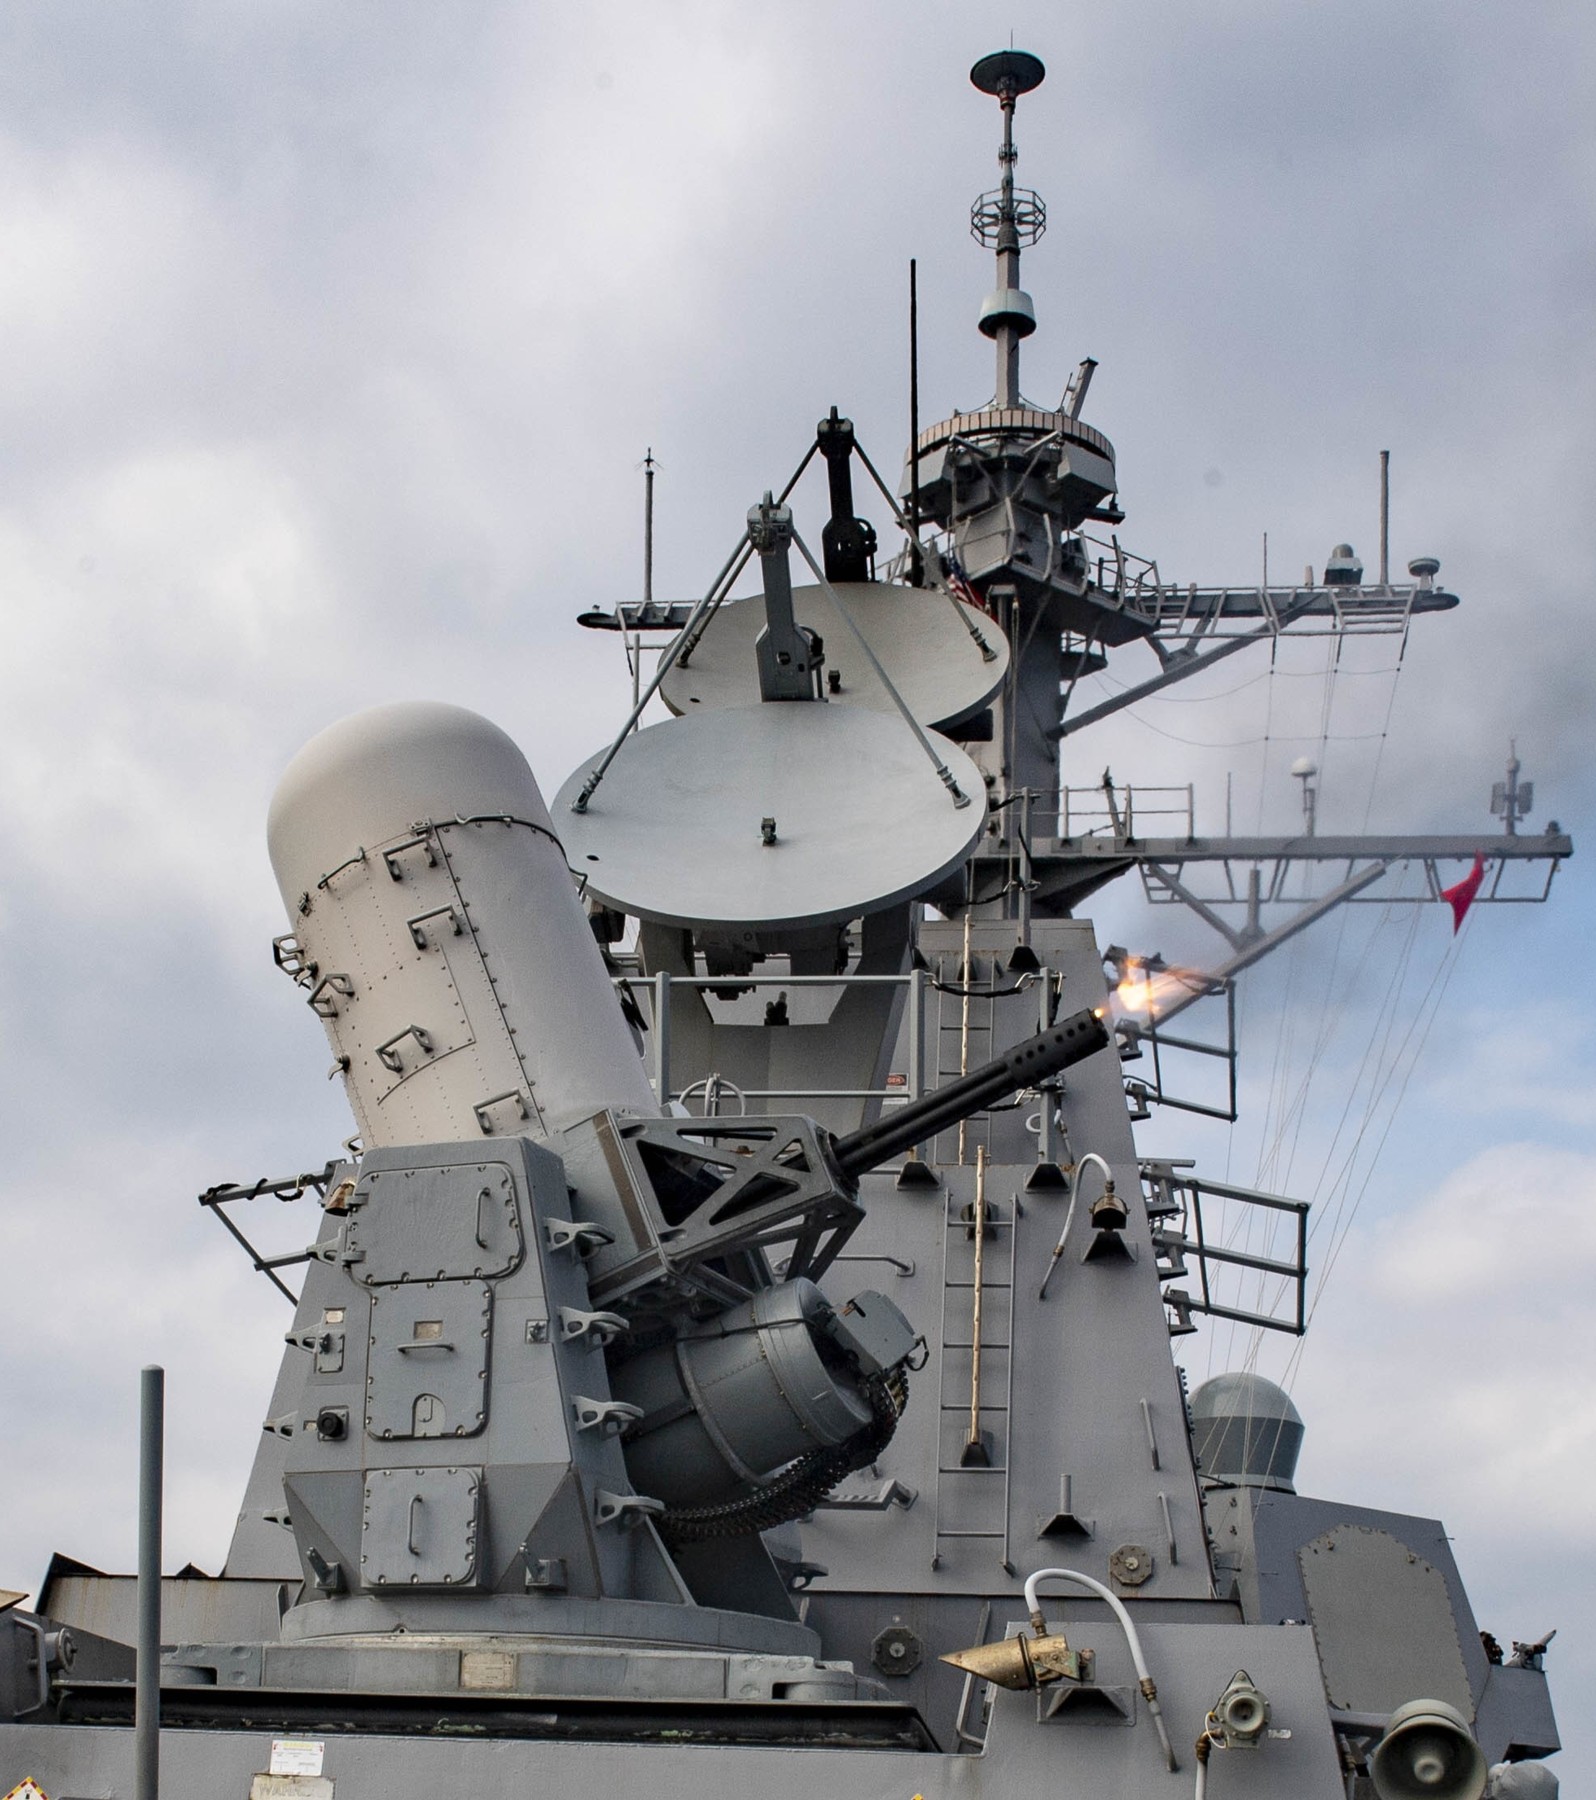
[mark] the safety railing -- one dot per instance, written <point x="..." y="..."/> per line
<point x="1184" y="1241"/>
<point x="659" y="985"/>
<point x="1124" y="812"/>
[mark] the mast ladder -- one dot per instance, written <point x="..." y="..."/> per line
<point x="985" y="1484"/>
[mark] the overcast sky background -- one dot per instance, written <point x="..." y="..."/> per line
<point x="333" y="341"/>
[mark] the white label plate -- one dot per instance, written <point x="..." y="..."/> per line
<point x="296" y="1756"/>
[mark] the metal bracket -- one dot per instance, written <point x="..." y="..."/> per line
<point x="325" y="995"/>
<point x="335" y="1250"/>
<point x="876" y="1499"/>
<point x="1087" y="1704"/>
<point x="388" y="1054"/>
<point x="579" y="1236"/>
<point x="329" y="1576"/>
<point x="592" y="1330"/>
<point x="624" y="1511"/>
<point x="1066" y="1522"/>
<point x="289" y="955"/>
<point x="484" y="1107"/>
<point x="544" y="1574"/>
<point x="423" y="842"/>
<point x="419" y="937"/>
<point x="609" y="1418"/>
<point x="35" y="1629"/>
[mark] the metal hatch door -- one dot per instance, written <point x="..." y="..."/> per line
<point x="427" y="1373"/>
<point x="460" y="1223"/>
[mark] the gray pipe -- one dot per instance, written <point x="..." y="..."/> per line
<point x="147" y="1669"/>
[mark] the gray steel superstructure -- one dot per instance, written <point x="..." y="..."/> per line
<point x="735" y="1352"/>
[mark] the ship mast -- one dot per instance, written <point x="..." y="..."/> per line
<point x="1006" y="220"/>
<point x="1009" y="484"/>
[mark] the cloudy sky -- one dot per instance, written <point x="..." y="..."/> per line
<point x="334" y="338"/>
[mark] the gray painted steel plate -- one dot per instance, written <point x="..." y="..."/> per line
<point x="921" y="638"/>
<point x="1383" y="1621"/>
<point x="862" y="819"/>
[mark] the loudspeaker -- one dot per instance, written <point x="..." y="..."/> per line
<point x="1242" y="1714"/>
<point x="1427" y="1753"/>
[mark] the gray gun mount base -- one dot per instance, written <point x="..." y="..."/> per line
<point x="217" y="1742"/>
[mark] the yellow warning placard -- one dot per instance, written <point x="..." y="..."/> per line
<point x="27" y="1789"/>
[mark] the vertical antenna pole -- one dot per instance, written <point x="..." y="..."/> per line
<point x="1007" y="220"/>
<point x="1266" y="563"/>
<point x="916" y="569"/>
<point x="147" y="1676"/>
<point x="636" y="658"/>
<point x="1385" y="518"/>
<point x="648" y="526"/>
<point x="1007" y="337"/>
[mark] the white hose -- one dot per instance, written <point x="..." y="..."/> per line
<point x="1091" y="1156"/>
<point x="1149" y="1687"/>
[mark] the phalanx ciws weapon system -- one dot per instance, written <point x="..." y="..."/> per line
<point x="743" y="1296"/>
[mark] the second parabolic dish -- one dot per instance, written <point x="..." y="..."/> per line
<point x="922" y="638"/>
<point x="676" y="830"/>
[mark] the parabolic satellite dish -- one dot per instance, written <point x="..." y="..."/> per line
<point x="677" y="831"/>
<point x="921" y="638"/>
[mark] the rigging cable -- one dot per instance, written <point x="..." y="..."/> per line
<point x="1293" y="1114"/>
<point x="1288" y="1108"/>
<point x="1434" y="996"/>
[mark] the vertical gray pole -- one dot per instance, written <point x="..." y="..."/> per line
<point x="1385" y="518"/>
<point x="648" y="526"/>
<point x="1007" y="339"/>
<point x="635" y="656"/>
<point x="147" y="1676"/>
<point x="916" y="1069"/>
<point x="662" y="1037"/>
<point x="916" y="572"/>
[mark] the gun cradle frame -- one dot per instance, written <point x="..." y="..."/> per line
<point x="703" y="1201"/>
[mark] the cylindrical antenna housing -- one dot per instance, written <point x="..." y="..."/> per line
<point x="1246" y="1432"/>
<point x="438" y="933"/>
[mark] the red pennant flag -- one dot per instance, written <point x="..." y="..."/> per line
<point x="1460" y="896"/>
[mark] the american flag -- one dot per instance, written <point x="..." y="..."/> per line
<point x="960" y="585"/>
